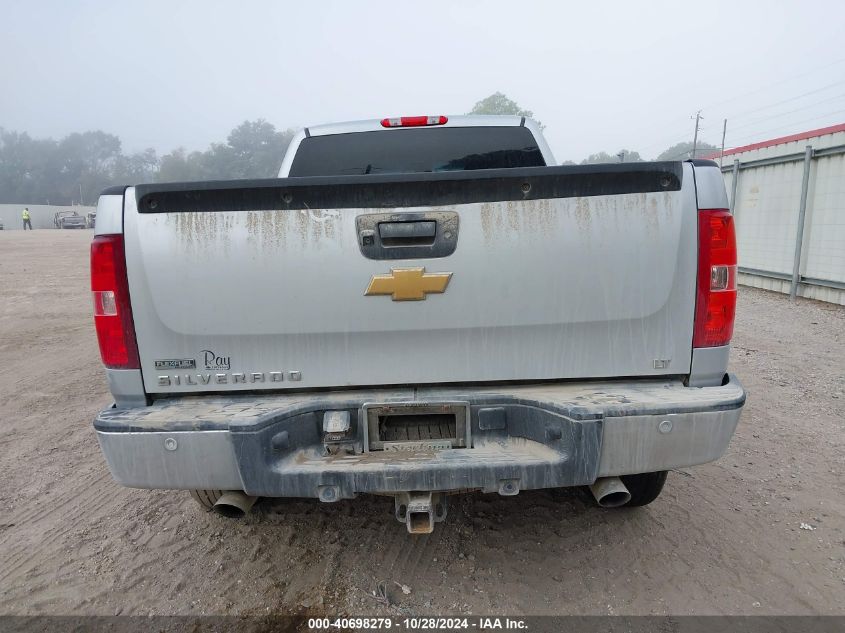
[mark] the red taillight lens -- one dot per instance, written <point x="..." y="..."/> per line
<point x="413" y="121"/>
<point x="112" y="311"/>
<point x="715" y="305"/>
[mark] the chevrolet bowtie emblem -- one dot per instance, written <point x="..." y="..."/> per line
<point x="408" y="284"/>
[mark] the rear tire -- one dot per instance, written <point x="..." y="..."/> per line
<point x="206" y="498"/>
<point x="644" y="488"/>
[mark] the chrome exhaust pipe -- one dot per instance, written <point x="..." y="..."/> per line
<point x="234" y="504"/>
<point x="610" y="492"/>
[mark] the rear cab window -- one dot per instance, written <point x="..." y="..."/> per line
<point x="417" y="150"/>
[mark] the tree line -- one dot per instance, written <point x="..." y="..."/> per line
<point x="76" y="168"/>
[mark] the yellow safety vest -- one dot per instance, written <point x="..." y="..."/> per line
<point x="25" y="214"/>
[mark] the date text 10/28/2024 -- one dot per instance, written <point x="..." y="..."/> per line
<point x="417" y="624"/>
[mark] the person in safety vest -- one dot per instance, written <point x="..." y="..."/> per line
<point x="26" y="220"/>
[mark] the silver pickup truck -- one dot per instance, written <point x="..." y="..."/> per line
<point x="417" y="306"/>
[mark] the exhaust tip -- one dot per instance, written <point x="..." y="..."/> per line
<point x="234" y="504"/>
<point x="230" y="512"/>
<point x="610" y="492"/>
<point x="615" y="499"/>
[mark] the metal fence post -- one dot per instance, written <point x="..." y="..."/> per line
<point x="734" y="180"/>
<point x="802" y="212"/>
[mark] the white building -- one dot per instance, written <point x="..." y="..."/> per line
<point x="766" y="182"/>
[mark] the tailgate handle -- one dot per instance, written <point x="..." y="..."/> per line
<point x="407" y="233"/>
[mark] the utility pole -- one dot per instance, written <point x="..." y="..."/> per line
<point x="80" y="194"/>
<point x="698" y="118"/>
<point x="722" y="154"/>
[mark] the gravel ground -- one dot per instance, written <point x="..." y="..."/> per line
<point x="724" y="538"/>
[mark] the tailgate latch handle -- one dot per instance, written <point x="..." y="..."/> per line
<point x="407" y="233"/>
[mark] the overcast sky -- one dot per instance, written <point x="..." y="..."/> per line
<point x="599" y="75"/>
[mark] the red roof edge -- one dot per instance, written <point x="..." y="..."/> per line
<point x="781" y="139"/>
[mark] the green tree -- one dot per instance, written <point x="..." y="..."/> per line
<point x="26" y="164"/>
<point x="254" y="149"/>
<point x="604" y="157"/>
<point x="178" y="165"/>
<point x="86" y="161"/>
<point x="600" y="158"/>
<point x="44" y="170"/>
<point x="39" y="171"/>
<point x="683" y="151"/>
<point x="630" y="156"/>
<point x="135" y="168"/>
<point x="498" y="103"/>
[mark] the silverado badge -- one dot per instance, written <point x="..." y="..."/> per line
<point x="408" y="284"/>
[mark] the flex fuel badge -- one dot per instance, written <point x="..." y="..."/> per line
<point x="176" y="363"/>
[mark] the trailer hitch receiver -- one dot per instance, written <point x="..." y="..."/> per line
<point x="419" y="511"/>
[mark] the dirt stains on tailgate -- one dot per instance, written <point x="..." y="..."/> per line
<point x="315" y="226"/>
<point x="500" y="219"/>
<point x="508" y="220"/>
<point x="198" y="229"/>
<point x="202" y="232"/>
<point x="293" y="229"/>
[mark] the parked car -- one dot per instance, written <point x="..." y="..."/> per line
<point x="366" y="324"/>
<point x="68" y="220"/>
<point x="90" y="219"/>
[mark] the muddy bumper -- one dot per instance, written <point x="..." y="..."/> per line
<point x="514" y="438"/>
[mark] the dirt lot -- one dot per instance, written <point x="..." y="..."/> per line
<point x="723" y="538"/>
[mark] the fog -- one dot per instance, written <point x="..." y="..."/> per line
<point x="601" y="76"/>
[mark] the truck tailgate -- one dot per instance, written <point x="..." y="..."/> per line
<point x="547" y="273"/>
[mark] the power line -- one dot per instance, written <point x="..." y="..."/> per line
<point x="780" y="114"/>
<point x="688" y="153"/>
<point x="741" y="140"/>
<point x="656" y="144"/>
<point x="775" y="83"/>
<point x="770" y="105"/>
<point x="698" y="118"/>
<point x="679" y="154"/>
<point x="795" y="98"/>
<point x="759" y="120"/>
<point x="682" y="139"/>
<point x="793" y="124"/>
<point x="664" y="144"/>
<point x="766" y="86"/>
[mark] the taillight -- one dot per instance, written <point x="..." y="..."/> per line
<point x="112" y="311"/>
<point x="413" y="121"/>
<point x="715" y="305"/>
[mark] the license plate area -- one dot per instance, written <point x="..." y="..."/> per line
<point x="415" y="427"/>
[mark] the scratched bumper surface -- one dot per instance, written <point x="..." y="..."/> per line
<point x="533" y="436"/>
